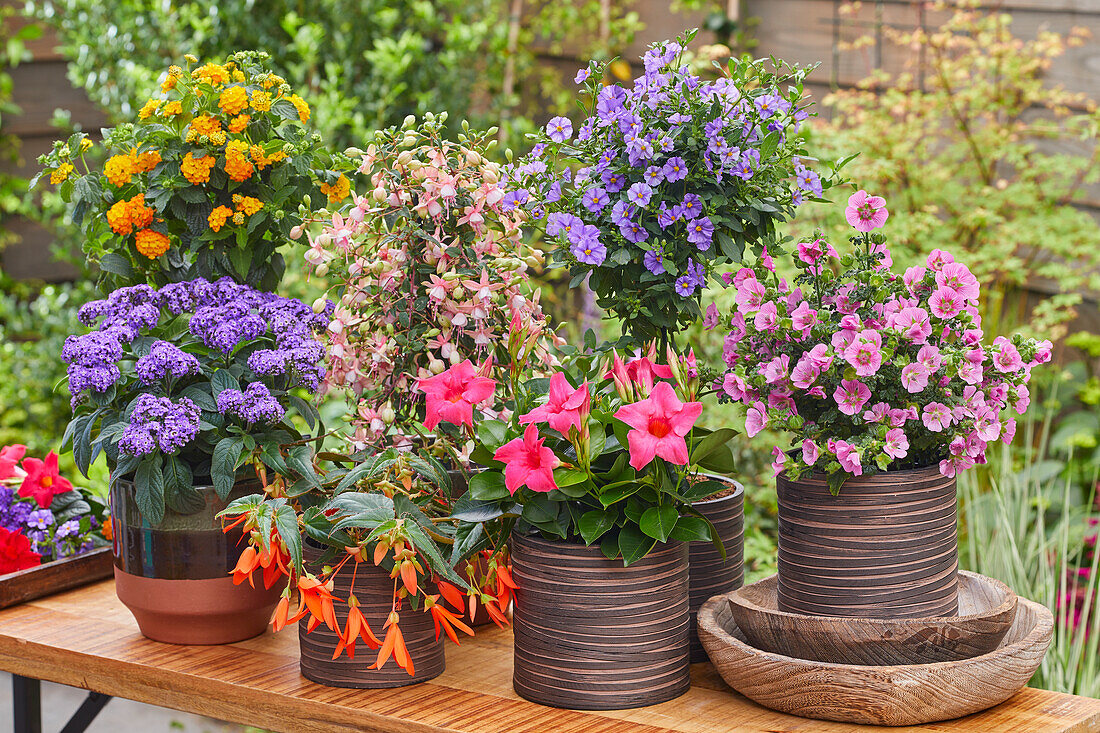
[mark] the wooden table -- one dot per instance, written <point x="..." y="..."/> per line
<point x="86" y="638"/>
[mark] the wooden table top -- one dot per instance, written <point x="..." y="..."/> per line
<point x="86" y="638"/>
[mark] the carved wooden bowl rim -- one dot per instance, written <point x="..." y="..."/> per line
<point x="738" y="598"/>
<point x="1040" y="617"/>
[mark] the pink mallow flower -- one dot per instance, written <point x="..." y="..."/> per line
<point x="1006" y="357"/>
<point x="565" y="407"/>
<point x="936" y="417"/>
<point x="851" y="395"/>
<point x="527" y="462"/>
<point x="779" y="459"/>
<point x="766" y="317"/>
<point x="451" y="395"/>
<point x="865" y="353"/>
<point x="809" y="452"/>
<point x="750" y="294"/>
<point x="957" y="276"/>
<point x="914" y="377"/>
<point x="756" y="419"/>
<point x="897" y="445"/>
<point x="803" y="318"/>
<point x="848" y="456"/>
<point x="937" y="258"/>
<point x="865" y="212"/>
<point x="659" y="424"/>
<point x="945" y="303"/>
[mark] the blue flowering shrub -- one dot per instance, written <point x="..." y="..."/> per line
<point x="184" y="385"/>
<point x="663" y="181"/>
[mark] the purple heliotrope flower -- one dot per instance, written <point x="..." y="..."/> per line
<point x="559" y="129"/>
<point x="255" y="404"/>
<point x="639" y="194"/>
<point x="700" y="232"/>
<point x="159" y="423"/>
<point x="165" y="360"/>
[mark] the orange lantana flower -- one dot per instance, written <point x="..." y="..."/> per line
<point x="151" y="243"/>
<point x="233" y="100"/>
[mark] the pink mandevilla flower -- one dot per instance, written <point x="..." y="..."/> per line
<point x="659" y="424"/>
<point x="451" y="395"/>
<point x="565" y="407"/>
<point x="528" y="462"/>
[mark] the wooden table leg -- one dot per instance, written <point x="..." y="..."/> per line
<point x="27" y="704"/>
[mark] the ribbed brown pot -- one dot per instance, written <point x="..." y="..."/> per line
<point x="710" y="575"/>
<point x="593" y="635"/>
<point x="175" y="577"/>
<point x="374" y="590"/>
<point x="886" y="547"/>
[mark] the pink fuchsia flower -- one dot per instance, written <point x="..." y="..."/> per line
<point x="43" y="480"/>
<point x="659" y="424"/>
<point x="809" y="452"/>
<point x="958" y="277"/>
<point x="914" y="324"/>
<point x="10" y="455"/>
<point x="936" y="417"/>
<point x="851" y="395"/>
<point x="865" y="353"/>
<point x="1006" y="357"/>
<point x="766" y="317"/>
<point x="756" y="419"/>
<point x="779" y="459"/>
<point x="803" y="318"/>
<point x="945" y="303"/>
<point x="865" y="212"/>
<point x="527" y="462"/>
<point x="848" y="456"/>
<point x="565" y="407"/>
<point x="937" y="258"/>
<point x="897" y="445"/>
<point x="451" y="395"/>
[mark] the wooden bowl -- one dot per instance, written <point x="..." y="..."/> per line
<point x="889" y="695"/>
<point x="986" y="606"/>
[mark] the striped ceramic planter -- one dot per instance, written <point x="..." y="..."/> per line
<point x="710" y="573"/>
<point x="593" y="635"/>
<point x="886" y="547"/>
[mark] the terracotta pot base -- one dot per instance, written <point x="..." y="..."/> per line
<point x="208" y="611"/>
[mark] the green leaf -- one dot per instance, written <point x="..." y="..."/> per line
<point x="618" y="493"/>
<point x="179" y="490"/>
<point x="633" y="544"/>
<point x="569" y="476"/>
<point x="691" y="529"/>
<point x="488" y="486"/>
<point x="223" y="464"/>
<point x="427" y="547"/>
<point x="658" y="522"/>
<point x="286" y="523"/>
<point x="149" y="491"/>
<point x="711" y="443"/>
<point x="594" y="524"/>
<point x="362" y="510"/>
<point x="597" y="441"/>
<point x="476" y="511"/>
<point x="300" y="459"/>
<point x="116" y="264"/>
<point x="222" y="380"/>
<point x="491" y="434"/>
<point x="540" y="509"/>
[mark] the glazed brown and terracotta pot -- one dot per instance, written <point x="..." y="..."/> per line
<point x="710" y="574"/>
<point x="175" y="577"/>
<point x="374" y="590"/>
<point x="886" y="547"/>
<point x="593" y="635"/>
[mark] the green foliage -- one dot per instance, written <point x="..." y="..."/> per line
<point x="366" y="64"/>
<point x="979" y="157"/>
<point x="1027" y="523"/>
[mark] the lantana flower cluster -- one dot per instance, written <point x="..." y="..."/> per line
<point x="871" y="370"/>
<point x="207" y="180"/>
<point x="168" y="374"/>
<point x="430" y="271"/>
<point x="661" y="181"/>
